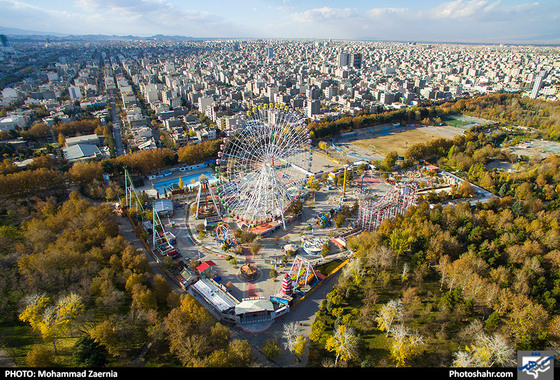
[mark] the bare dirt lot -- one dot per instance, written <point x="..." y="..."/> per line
<point x="537" y="149"/>
<point x="400" y="141"/>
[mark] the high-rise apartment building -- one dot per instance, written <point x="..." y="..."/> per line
<point x="74" y="92"/>
<point x="313" y="107"/>
<point x="204" y="103"/>
<point x="537" y="84"/>
<point x="356" y="60"/>
<point x="343" y="59"/>
<point x="4" y="40"/>
<point x="350" y="60"/>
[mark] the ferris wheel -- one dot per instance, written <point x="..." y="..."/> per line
<point x="265" y="163"/>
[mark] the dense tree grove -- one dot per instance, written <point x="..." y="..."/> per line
<point x="333" y="128"/>
<point x="468" y="278"/>
<point x="72" y="276"/>
<point x="511" y="108"/>
<point x="27" y="183"/>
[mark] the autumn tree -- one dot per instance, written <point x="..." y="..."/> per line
<point x="40" y="356"/>
<point x="145" y="161"/>
<point x="39" y="131"/>
<point x="51" y="320"/>
<point x="109" y="334"/>
<point x="486" y="351"/>
<point x="237" y="353"/>
<point x="7" y="166"/>
<point x="404" y="344"/>
<point x="295" y="343"/>
<point x="465" y="190"/>
<point x="65" y="245"/>
<point x="526" y="319"/>
<point x="353" y="270"/>
<point x="30" y="182"/>
<point x="390" y="313"/>
<point x="400" y="241"/>
<point x="194" y="336"/>
<point x="84" y="126"/>
<point x="390" y="160"/>
<point x="193" y="154"/>
<point x="271" y="348"/>
<point x="344" y="343"/>
<point x="85" y="172"/>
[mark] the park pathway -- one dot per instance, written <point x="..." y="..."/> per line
<point x="5" y="360"/>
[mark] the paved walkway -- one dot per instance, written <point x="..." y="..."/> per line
<point x="5" y="360"/>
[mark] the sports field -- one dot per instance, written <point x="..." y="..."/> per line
<point x="463" y="121"/>
<point x="398" y="142"/>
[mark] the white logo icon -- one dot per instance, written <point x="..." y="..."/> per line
<point x="534" y="365"/>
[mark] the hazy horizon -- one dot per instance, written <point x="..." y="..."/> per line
<point x="462" y="21"/>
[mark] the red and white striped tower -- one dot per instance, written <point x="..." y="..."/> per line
<point x="287" y="287"/>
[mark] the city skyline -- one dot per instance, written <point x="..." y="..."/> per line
<point x="468" y="21"/>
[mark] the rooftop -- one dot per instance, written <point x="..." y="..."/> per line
<point x="81" y="152"/>
<point x="219" y="298"/>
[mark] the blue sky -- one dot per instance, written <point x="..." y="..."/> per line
<point x="507" y="21"/>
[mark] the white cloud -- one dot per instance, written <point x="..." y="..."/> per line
<point x="323" y="14"/>
<point x="384" y="12"/>
<point x="461" y="9"/>
<point x="127" y="6"/>
<point x="140" y="17"/>
<point x="456" y="20"/>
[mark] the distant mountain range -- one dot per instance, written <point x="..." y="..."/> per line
<point x="33" y="35"/>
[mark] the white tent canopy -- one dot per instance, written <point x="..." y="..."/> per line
<point x="253" y="305"/>
<point x="213" y="294"/>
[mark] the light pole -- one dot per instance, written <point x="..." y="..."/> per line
<point x="344" y="183"/>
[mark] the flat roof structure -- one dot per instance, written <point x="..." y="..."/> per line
<point x="163" y="207"/>
<point x="253" y="306"/>
<point x="81" y="152"/>
<point x="91" y="139"/>
<point x="219" y="298"/>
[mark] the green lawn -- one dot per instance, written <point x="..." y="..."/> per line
<point x="19" y="339"/>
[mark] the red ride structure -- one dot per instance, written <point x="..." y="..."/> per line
<point x="287" y="286"/>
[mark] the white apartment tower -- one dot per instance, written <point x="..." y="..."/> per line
<point x="538" y="84"/>
<point x="74" y="92"/>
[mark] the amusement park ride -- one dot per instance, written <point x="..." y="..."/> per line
<point x="302" y="273"/>
<point x="162" y="240"/>
<point x="264" y="164"/>
<point x="372" y="212"/>
<point x="225" y="235"/>
<point x="206" y="201"/>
